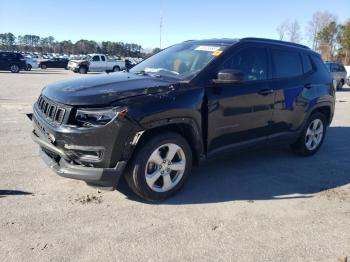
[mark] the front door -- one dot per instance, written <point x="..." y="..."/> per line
<point x="240" y="114"/>
<point x="95" y="64"/>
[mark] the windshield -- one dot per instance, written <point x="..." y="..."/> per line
<point x="180" y="61"/>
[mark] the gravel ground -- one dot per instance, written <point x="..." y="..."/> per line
<point x="263" y="205"/>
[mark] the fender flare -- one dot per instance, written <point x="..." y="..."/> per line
<point x="196" y="133"/>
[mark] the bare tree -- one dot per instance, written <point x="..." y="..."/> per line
<point x="282" y="29"/>
<point x="319" y="21"/>
<point x="294" y="34"/>
<point x="289" y="30"/>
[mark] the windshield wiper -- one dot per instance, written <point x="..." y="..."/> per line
<point x="145" y="73"/>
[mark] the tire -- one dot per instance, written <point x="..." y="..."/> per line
<point x="14" y="68"/>
<point x="116" y="69"/>
<point x="43" y="66"/>
<point x="341" y="84"/>
<point x="28" y="68"/>
<point x="82" y="70"/>
<point x="151" y="158"/>
<point x="312" y="137"/>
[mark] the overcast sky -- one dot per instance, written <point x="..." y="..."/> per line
<point x="138" y="21"/>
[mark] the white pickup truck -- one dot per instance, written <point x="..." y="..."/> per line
<point x="96" y="63"/>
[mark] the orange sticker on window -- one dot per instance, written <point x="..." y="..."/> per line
<point x="217" y="53"/>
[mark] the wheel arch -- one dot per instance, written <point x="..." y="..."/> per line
<point x="186" y="127"/>
<point x="324" y="108"/>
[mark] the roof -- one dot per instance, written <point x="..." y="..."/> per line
<point x="228" y="41"/>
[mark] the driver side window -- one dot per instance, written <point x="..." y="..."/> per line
<point x="96" y="58"/>
<point x="252" y="62"/>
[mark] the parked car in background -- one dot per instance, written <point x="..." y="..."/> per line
<point x="13" y="62"/>
<point x="186" y="103"/>
<point x="338" y="72"/>
<point x="31" y="63"/>
<point x="54" y="63"/>
<point x="96" y="63"/>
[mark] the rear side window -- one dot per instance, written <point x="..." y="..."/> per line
<point x="252" y="62"/>
<point x="342" y="68"/>
<point x="307" y="65"/>
<point x="286" y="63"/>
<point x="103" y="58"/>
<point x="334" y="68"/>
<point x="321" y="67"/>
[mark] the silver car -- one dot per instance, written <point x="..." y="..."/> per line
<point x="338" y="72"/>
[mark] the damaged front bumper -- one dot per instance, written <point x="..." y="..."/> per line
<point x="97" y="156"/>
<point x="105" y="177"/>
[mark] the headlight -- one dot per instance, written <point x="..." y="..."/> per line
<point x="98" y="116"/>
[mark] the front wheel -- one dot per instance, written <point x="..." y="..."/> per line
<point x="43" y="66"/>
<point x="160" y="166"/>
<point x="28" y="68"/>
<point x="312" y="136"/>
<point x="14" y="68"/>
<point x="82" y="70"/>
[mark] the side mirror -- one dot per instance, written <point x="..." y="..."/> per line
<point x="229" y="76"/>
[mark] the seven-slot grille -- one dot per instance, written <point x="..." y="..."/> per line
<point x="52" y="111"/>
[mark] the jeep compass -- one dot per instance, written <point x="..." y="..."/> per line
<point x="187" y="103"/>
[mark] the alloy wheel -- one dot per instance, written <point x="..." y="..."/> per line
<point x="314" y="134"/>
<point x="165" y="167"/>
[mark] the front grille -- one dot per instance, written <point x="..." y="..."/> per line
<point x="53" y="112"/>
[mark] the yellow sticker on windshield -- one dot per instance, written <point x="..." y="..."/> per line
<point x="217" y="53"/>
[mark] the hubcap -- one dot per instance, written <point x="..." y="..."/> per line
<point x="165" y="167"/>
<point x="14" y="68"/>
<point x="314" y="134"/>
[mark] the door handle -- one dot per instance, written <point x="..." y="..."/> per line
<point x="308" y="86"/>
<point x="265" y="92"/>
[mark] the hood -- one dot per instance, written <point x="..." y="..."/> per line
<point x="105" y="89"/>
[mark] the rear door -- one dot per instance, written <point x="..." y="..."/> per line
<point x="289" y="81"/>
<point x="103" y="64"/>
<point x="4" y="61"/>
<point x="239" y="114"/>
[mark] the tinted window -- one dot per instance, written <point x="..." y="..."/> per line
<point x="334" y="68"/>
<point x="96" y="58"/>
<point x="321" y="67"/>
<point x="286" y="64"/>
<point x="3" y="56"/>
<point x="252" y="62"/>
<point x="328" y="66"/>
<point x="103" y="58"/>
<point x="342" y="68"/>
<point x="307" y="65"/>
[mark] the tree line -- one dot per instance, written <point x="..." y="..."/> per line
<point x="323" y="33"/>
<point x="34" y="43"/>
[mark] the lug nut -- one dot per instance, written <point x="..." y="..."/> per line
<point x="164" y="161"/>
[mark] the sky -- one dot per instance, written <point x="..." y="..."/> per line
<point x="138" y="20"/>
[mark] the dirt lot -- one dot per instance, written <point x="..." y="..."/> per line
<point x="266" y="205"/>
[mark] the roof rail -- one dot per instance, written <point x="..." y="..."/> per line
<point x="274" y="41"/>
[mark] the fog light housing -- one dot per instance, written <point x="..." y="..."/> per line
<point x="85" y="154"/>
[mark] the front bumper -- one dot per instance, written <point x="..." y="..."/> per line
<point x="64" y="149"/>
<point x="106" y="177"/>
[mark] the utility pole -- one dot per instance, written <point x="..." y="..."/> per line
<point x="161" y="25"/>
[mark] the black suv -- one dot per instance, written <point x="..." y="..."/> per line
<point x="54" y="63"/>
<point x="14" y="62"/>
<point x="187" y="103"/>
